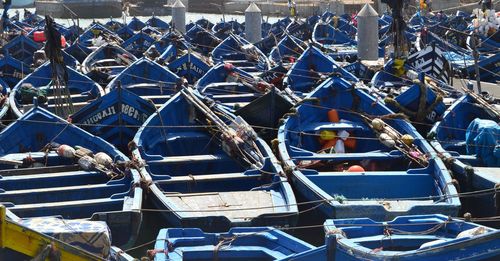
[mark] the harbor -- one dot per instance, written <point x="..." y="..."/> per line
<point x="250" y="130"/>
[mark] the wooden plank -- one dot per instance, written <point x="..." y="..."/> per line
<point x="87" y="202"/>
<point x="236" y="95"/>
<point x="73" y="96"/>
<point x="187" y="159"/>
<point x="233" y="104"/>
<point x="229" y="204"/>
<point x="55" y="174"/>
<point x="393" y="205"/>
<point x="146" y="97"/>
<point x="208" y="177"/>
<point x="75" y="104"/>
<point x="38" y="170"/>
<point x="57" y="189"/>
<point x="108" y="67"/>
<point x="350" y="156"/>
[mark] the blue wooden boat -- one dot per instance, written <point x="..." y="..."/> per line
<point x="431" y="61"/>
<point x="171" y="37"/>
<point x="191" y="66"/>
<point x="138" y="44"/>
<point x="97" y="31"/>
<point x="276" y="75"/>
<point x="125" y="32"/>
<point x="136" y="24"/>
<point x="327" y="35"/>
<point x="335" y="42"/>
<point x="489" y="44"/>
<point x="223" y="29"/>
<point x="106" y="62"/>
<point x="300" y="30"/>
<point x="115" y="117"/>
<point x="267" y="44"/>
<point x="64" y="99"/>
<point x="313" y="19"/>
<point x="31" y="18"/>
<point x="365" y="175"/>
<point x="253" y="98"/>
<point x="360" y="70"/>
<point x="280" y="25"/>
<point x="39" y="58"/>
<point x="67" y="32"/>
<point x="419" y="237"/>
<point x="256" y="243"/>
<point x="287" y="50"/>
<point x="464" y="135"/>
<point x="313" y="67"/>
<point x="148" y="80"/>
<point x="202" y="39"/>
<point x="229" y="85"/>
<point x="157" y="23"/>
<point x="114" y="25"/>
<point x="21" y="48"/>
<point x="274" y="36"/>
<point x="344" y="25"/>
<point x="489" y="71"/>
<point x="172" y="52"/>
<point x="41" y="177"/>
<point x="242" y="54"/>
<point x="13" y="70"/>
<point x="151" y="31"/>
<point x="462" y="60"/>
<point x="422" y="102"/>
<point x="204" y="182"/>
<point x="78" y="51"/>
<point x="203" y="22"/>
<point x="266" y="28"/>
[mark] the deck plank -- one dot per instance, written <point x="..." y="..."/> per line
<point x="227" y="204"/>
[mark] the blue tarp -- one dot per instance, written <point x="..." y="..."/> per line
<point x="483" y="140"/>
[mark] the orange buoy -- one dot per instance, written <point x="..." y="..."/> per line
<point x="355" y="168"/>
<point x="39" y="36"/>
<point x="63" y="41"/>
<point x="333" y="115"/>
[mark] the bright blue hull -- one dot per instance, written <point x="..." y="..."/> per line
<point x="471" y="171"/>
<point x="81" y="90"/>
<point x="190" y="66"/>
<point x="404" y="239"/>
<point x="138" y="44"/>
<point x="46" y="184"/>
<point x="317" y="175"/>
<point x="148" y="80"/>
<point x="190" y="172"/>
<point x="115" y="117"/>
<point x="106" y="62"/>
<point x="313" y="67"/>
<point x="258" y="243"/>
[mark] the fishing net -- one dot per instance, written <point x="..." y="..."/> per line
<point x="482" y="139"/>
<point x="27" y="92"/>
